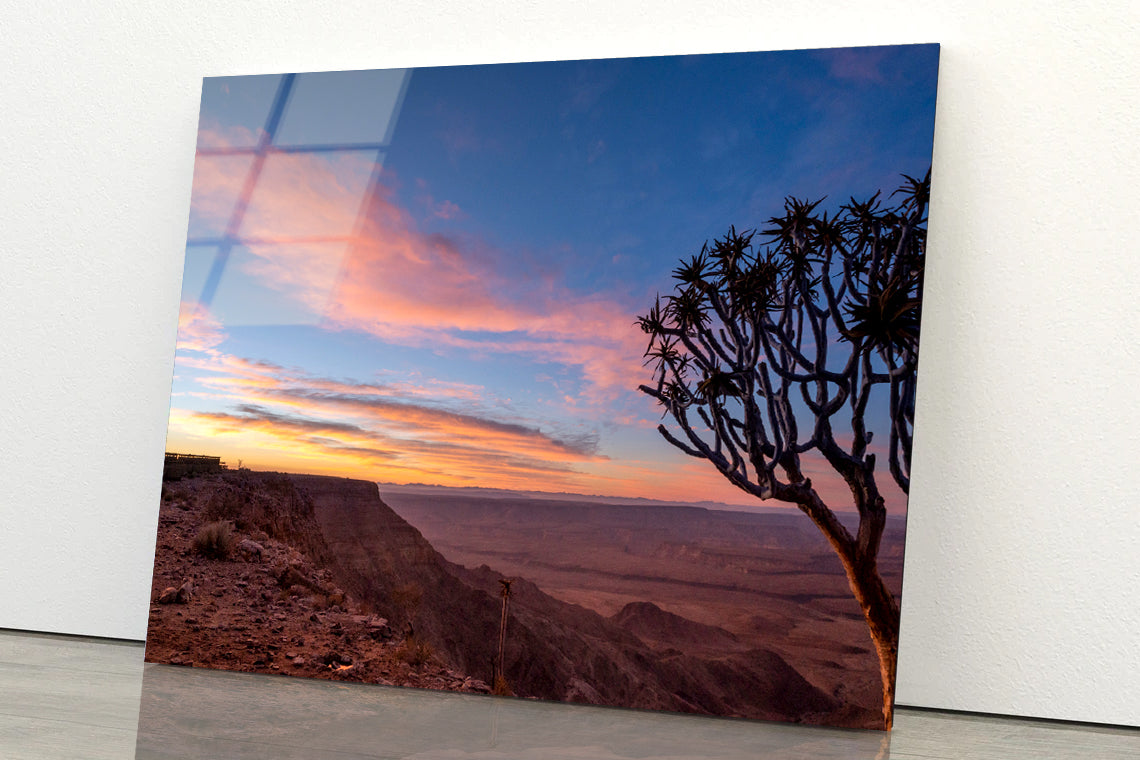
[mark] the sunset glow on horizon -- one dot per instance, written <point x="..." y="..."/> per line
<point x="434" y="276"/>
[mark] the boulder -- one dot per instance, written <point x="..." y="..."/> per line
<point x="168" y="596"/>
<point x="251" y="550"/>
<point x="180" y="595"/>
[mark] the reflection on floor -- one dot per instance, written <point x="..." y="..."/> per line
<point x="64" y="697"/>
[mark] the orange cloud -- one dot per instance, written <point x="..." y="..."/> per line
<point x="405" y="430"/>
<point x="347" y="448"/>
<point x="399" y="432"/>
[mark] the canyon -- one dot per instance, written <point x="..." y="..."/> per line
<point x="645" y="605"/>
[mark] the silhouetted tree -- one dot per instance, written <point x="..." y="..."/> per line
<point x="762" y="349"/>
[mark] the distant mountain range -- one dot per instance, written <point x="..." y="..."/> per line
<point x="500" y="493"/>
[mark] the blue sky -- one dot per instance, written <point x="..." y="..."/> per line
<point x="449" y="298"/>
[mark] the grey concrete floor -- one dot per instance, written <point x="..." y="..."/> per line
<point x="65" y="697"/>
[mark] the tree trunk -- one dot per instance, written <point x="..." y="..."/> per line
<point x="858" y="555"/>
<point x="860" y="562"/>
<point x="882" y="614"/>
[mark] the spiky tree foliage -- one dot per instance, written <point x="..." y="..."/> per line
<point x="771" y="341"/>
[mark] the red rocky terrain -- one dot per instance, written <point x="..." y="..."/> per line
<point x="325" y="580"/>
<point x="272" y="605"/>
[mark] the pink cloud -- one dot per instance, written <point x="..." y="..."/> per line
<point x="197" y="328"/>
<point x="218" y="182"/>
<point x="410" y="287"/>
<point x="212" y="134"/>
<point x="301" y="195"/>
<point x="447" y="210"/>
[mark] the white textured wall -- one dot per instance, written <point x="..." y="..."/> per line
<point x="1022" y="589"/>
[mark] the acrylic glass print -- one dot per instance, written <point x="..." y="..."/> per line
<point x="589" y="381"/>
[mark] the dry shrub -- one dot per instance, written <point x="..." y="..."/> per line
<point x="215" y="540"/>
<point x="414" y="651"/>
<point x="501" y="688"/>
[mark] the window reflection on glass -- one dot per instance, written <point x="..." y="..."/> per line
<point x="342" y="108"/>
<point x="234" y="110"/>
<point x="285" y="164"/>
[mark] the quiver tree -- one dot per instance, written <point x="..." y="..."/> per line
<point x="774" y="345"/>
